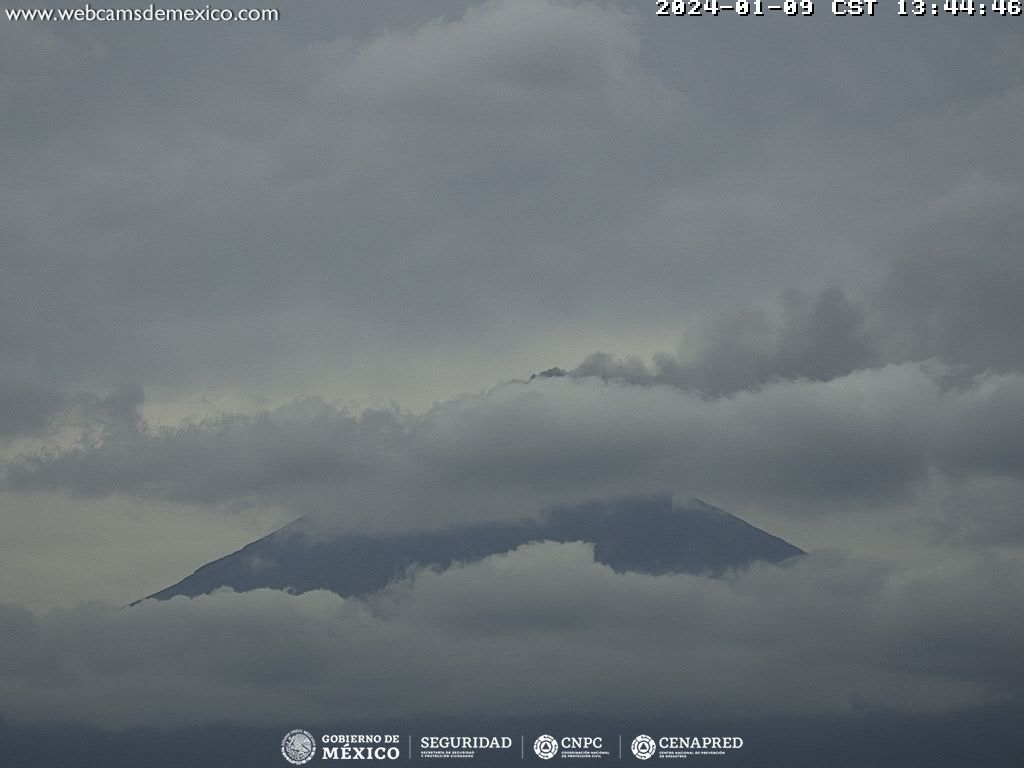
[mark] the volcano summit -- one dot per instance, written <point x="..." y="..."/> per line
<point x="651" y="535"/>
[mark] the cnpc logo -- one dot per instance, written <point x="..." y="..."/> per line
<point x="547" y="746"/>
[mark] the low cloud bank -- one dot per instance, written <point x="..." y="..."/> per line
<point x="540" y="629"/>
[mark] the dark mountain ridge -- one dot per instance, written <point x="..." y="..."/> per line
<point x="650" y="534"/>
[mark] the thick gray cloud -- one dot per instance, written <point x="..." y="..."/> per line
<point x="955" y="296"/>
<point x="543" y="628"/>
<point x="427" y="196"/>
<point x="817" y="337"/>
<point x="947" y="301"/>
<point x="397" y="170"/>
<point x="869" y="437"/>
<point x="26" y="407"/>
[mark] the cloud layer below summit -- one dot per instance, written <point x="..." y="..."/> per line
<point x="541" y="629"/>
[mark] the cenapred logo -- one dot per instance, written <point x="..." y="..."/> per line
<point x="643" y="747"/>
<point x="546" y="747"/>
<point x="298" y="746"/>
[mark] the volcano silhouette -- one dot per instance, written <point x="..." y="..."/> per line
<point x="650" y="534"/>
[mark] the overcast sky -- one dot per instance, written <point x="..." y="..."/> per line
<point x="251" y="272"/>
